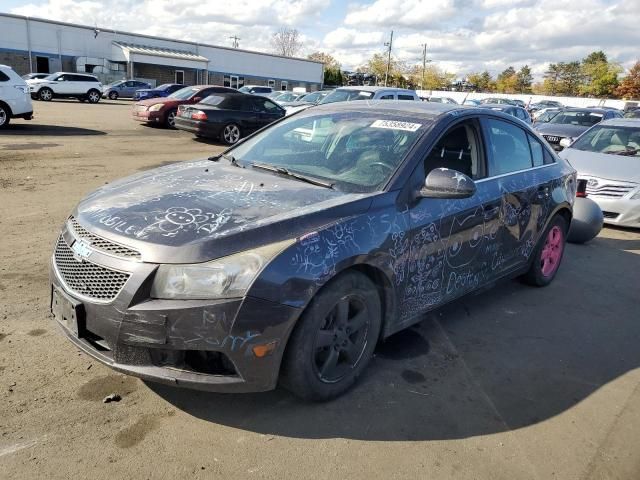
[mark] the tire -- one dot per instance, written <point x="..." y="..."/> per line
<point x="170" y="118"/>
<point x="113" y="95"/>
<point x="45" y="94"/>
<point x="548" y="254"/>
<point x="321" y="366"/>
<point x="5" y="116"/>
<point x="93" y="96"/>
<point x="230" y="134"/>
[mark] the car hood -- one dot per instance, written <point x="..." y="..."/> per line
<point x="197" y="211"/>
<point x="561" y="130"/>
<point x="153" y="101"/>
<point x="603" y="165"/>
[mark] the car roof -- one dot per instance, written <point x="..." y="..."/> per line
<point x="499" y="105"/>
<point x="622" y="122"/>
<point x="398" y="107"/>
<point x="365" y="88"/>
<point x="590" y="110"/>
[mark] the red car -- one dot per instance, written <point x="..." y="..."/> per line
<point x="162" y="111"/>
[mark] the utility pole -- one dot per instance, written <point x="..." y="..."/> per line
<point x="390" y="45"/>
<point x="235" y="41"/>
<point x="424" y="64"/>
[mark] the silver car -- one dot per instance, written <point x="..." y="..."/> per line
<point x="608" y="157"/>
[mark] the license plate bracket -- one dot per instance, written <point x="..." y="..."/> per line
<point x="68" y="312"/>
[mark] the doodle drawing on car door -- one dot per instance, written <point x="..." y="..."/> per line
<point x="525" y="191"/>
<point x="452" y="239"/>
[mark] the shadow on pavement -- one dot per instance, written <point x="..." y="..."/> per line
<point x="504" y="359"/>
<point x="48" y="130"/>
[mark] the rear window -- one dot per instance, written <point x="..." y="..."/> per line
<point x="405" y="97"/>
<point x="262" y="89"/>
<point x="214" y="100"/>
<point x="3" y="76"/>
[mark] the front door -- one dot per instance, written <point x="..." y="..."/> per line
<point x="451" y="241"/>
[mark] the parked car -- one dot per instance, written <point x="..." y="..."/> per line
<point x="15" y="101"/>
<point x="162" y="111"/>
<point x="519" y="103"/>
<point x="286" y="258"/>
<point x="607" y="156"/>
<point x="123" y="89"/>
<point x="256" y="89"/>
<point x="542" y="104"/>
<point x="471" y="102"/>
<point x="305" y="101"/>
<point x="82" y="86"/>
<point x="442" y="100"/>
<point x="348" y="94"/>
<point x="571" y="123"/>
<point x="635" y="113"/>
<point x="228" y="116"/>
<point x="34" y="76"/>
<point x="497" y="101"/>
<point x="287" y="97"/>
<point x="512" y="110"/>
<point x="160" y="91"/>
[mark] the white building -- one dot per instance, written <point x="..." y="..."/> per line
<point x="35" y="45"/>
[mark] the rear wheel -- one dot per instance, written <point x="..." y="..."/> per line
<point x="45" y="94"/>
<point x="170" y="120"/>
<point x="548" y="254"/>
<point x="113" y="95"/>
<point x="5" y="116"/>
<point x="93" y="96"/>
<point x="230" y="134"/>
<point x="334" y="339"/>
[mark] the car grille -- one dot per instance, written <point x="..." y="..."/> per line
<point x="605" y="189"/>
<point x="552" y="138"/>
<point x="102" y="244"/>
<point x="610" y="215"/>
<point x="86" y="278"/>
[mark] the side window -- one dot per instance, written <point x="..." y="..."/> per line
<point x="405" y="97"/>
<point x="3" y="77"/>
<point x="537" y="151"/>
<point x="509" y="147"/>
<point x="458" y="149"/>
<point x="386" y="97"/>
<point x="269" y="107"/>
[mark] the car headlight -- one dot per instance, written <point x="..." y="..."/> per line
<point x="227" y="277"/>
<point x="156" y="107"/>
<point x="22" y="88"/>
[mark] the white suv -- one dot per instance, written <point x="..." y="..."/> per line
<point x="82" y="86"/>
<point x="14" y="97"/>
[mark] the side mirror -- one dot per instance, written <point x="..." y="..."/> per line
<point x="197" y="99"/>
<point x="566" y="142"/>
<point x="447" y="183"/>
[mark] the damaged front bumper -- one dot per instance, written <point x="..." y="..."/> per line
<point x="231" y="345"/>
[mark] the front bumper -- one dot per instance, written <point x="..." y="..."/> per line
<point x="205" y="345"/>
<point x="620" y="211"/>
<point x="147" y="116"/>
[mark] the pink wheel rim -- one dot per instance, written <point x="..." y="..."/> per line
<point x="552" y="251"/>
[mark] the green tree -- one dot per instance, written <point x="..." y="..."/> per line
<point x="552" y="78"/>
<point x="629" y="87"/>
<point x="483" y="81"/>
<point x="332" y="72"/>
<point x="600" y="77"/>
<point x="524" y="79"/>
<point x="507" y="81"/>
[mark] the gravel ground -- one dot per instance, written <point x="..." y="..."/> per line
<point x="515" y="383"/>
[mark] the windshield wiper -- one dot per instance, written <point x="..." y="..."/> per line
<point x="233" y="160"/>
<point x="289" y="173"/>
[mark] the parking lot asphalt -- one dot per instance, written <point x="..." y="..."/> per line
<point x="513" y="383"/>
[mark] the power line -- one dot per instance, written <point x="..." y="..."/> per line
<point x="235" y="39"/>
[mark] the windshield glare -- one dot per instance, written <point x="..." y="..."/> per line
<point x="342" y="95"/>
<point x="610" y="139"/>
<point x="584" y="119"/>
<point x="356" y="151"/>
<point x="183" y="93"/>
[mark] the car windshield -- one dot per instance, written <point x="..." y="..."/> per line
<point x="311" y="97"/>
<point x="164" y="86"/>
<point x="546" y="116"/>
<point x="113" y="84"/>
<point x="356" y="151"/>
<point x="184" y="93"/>
<point x="581" y="118"/>
<point x="344" y="95"/>
<point x="610" y="139"/>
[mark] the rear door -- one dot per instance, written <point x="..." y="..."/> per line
<point x="516" y="171"/>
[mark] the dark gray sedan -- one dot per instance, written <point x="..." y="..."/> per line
<point x="287" y="258"/>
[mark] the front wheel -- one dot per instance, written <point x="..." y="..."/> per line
<point x="45" y="94"/>
<point x="230" y="134"/>
<point x="170" y="120"/>
<point x="113" y="95"/>
<point x="334" y="339"/>
<point x="93" y="96"/>
<point x="548" y="254"/>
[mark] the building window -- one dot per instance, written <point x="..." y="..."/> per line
<point x="180" y="77"/>
<point x="271" y="83"/>
<point x="42" y="65"/>
<point x="283" y="85"/>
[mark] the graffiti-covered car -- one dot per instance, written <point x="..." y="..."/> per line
<point x="287" y="258"/>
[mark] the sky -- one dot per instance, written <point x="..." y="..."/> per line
<point x="462" y="36"/>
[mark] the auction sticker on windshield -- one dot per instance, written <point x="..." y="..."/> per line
<point x="393" y="125"/>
